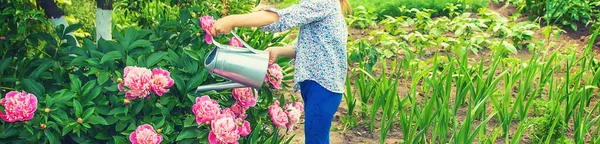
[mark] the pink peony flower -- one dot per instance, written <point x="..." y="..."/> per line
<point x="299" y="106"/>
<point x="228" y="112"/>
<point x="207" y="24"/>
<point x="244" y="129"/>
<point x="278" y="116"/>
<point x="238" y="110"/>
<point x="245" y="96"/>
<point x="18" y="106"/>
<point x="224" y="130"/>
<point x="274" y="76"/>
<point x="235" y="42"/>
<point x="137" y="80"/>
<point x="293" y="112"/>
<point x="205" y="109"/>
<point x="161" y="81"/>
<point x="145" y="134"/>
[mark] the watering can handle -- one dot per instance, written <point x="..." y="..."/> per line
<point x="240" y="39"/>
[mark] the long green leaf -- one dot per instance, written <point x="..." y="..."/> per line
<point x="113" y="55"/>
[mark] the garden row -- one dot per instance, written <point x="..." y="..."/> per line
<point x="470" y="78"/>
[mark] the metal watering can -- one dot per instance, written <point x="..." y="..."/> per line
<point x="243" y="67"/>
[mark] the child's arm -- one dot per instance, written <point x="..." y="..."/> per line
<point x="275" y="52"/>
<point x="277" y="20"/>
<point x="255" y="19"/>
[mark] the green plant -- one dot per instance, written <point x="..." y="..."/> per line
<point x="77" y="87"/>
<point x="564" y="13"/>
<point x="362" y="18"/>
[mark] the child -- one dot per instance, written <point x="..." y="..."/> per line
<point x="320" y="55"/>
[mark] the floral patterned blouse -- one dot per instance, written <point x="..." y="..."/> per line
<point x="321" y="46"/>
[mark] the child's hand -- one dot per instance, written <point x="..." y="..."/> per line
<point x="274" y="52"/>
<point x="222" y="26"/>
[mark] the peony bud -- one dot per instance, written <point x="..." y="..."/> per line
<point x="126" y="102"/>
<point x="47" y="110"/>
<point x="43" y="126"/>
<point x="3" y="38"/>
<point x="197" y="34"/>
<point x="159" y="130"/>
<point x="79" y="120"/>
<point x="119" y="80"/>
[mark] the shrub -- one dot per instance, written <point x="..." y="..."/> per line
<point x="141" y="84"/>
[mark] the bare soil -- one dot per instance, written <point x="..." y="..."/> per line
<point x="360" y="134"/>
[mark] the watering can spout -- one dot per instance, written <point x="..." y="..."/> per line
<point x="219" y="86"/>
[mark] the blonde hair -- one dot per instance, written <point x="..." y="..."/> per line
<point x="346" y="7"/>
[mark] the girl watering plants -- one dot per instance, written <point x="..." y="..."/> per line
<point x="319" y="55"/>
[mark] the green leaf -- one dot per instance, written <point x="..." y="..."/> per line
<point x="113" y="55"/>
<point x="102" y="136"/>
<point x="72" y="28"/>
<point x="67" y="128"/>
<point x="87" y="88"/>
<point x="118" y="110"/>
<point x="51" y="137"/>
<point x="130" y="61"/>
<point x="187" y="133"/>
<point x="189" y="121"/>
<point x="67" y="96"/>
<point x="184" y="15"/>
<point x="43" y="67"/>
<point x="4" y="63"/>
<point x="93" y="94"/>
<point x="120" y="125"/>
<point x="120" y="140"/>
<point x="139" y="43"/>
<point x="29" y="128"/>
<point x="103" y="77"/>
<point x="138" y="107"/>
<point x="94" y="119"/>
<point x="56" y="117"/>
<point x="511" y="48"/>
<point x="88" y="113"/>
<point x="77" y="108"/>
<point x="92" y="62"/>
<point x="197" y="80"/>
<point x="75" y="83"/>
<point x="155" y="58"/>
<point x="33" y="87"/>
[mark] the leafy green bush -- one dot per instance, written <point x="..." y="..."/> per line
<point x="564" y="13"/>
<point x="391" y="8"/>
<point x="77" y="87"/>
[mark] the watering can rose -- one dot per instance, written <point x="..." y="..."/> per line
<point x="18" y="106"/>
<point x="145" y="134"/>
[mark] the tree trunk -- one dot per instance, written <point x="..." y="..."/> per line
<point x="104" y="19"/>
<point x="56" y="16"/>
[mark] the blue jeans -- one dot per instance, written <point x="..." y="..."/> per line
<point x="320" y="105"/>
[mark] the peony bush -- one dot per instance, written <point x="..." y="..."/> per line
<point x="139" y="87"/>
